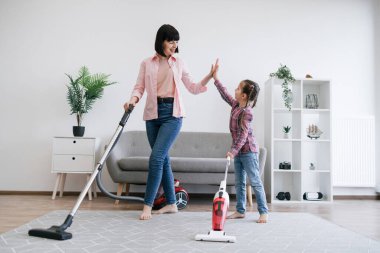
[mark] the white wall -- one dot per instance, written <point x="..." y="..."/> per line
<point x="41" y="40"/>
<point x="377" y="93"/>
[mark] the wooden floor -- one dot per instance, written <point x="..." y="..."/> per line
<point x="361" y="216"/>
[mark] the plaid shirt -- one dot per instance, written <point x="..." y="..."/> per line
<point x="242" y="138"/>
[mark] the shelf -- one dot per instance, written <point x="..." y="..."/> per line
<point x="317" y="171"/>
<point x="322" y="201"/>
<point x="318" y="88"/>
<point x="286" y="110"/>
<point x="318" y="153"/>
<point x="287" y="151"/>
<point x="321" y="120"/>
<point x="286" y="140"/>
<point x="317" y="182"/>
<point x="287" y="171"/>
<point x="299" y="150"/>
<point x="310" y="81"/>
<point x="283" y="118"/>
<point x="296" y="93"/>
<point x="317" y="140"/>
<point x="276" y="201"/>
<point x="306" y="110"/>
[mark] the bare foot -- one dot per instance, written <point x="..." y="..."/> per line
<point x="167" y="209"/>
<point x="236" y="215"/>
<point x="263" y="218"/>
<point x="146" y="213"/>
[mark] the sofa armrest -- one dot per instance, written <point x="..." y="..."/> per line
<point x="262" y="160"/>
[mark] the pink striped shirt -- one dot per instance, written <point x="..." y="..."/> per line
<point x="243" y="139"/>
<point x="147" y="81"/>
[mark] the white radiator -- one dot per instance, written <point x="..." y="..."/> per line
<point x="354" y="152"/>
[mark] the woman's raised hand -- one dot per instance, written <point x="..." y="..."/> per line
<point x="215" y="70"/>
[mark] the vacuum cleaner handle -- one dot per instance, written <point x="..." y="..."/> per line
<point x="58" y="232"/>
<point x="125" y="117"/>
<point x="227" y="165"/>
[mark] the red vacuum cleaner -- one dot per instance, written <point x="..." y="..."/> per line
<point x="219" y="213"/>
<point x="181" y="196"/>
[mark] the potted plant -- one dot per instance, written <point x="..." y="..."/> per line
<point x="286" y="76"/>
<point x="82" y="92"/>
<point x="286" y="130"/>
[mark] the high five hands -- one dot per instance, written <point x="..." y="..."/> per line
<point x="214" y="70"/>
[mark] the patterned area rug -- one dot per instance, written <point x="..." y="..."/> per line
<point x="121" y="231"/>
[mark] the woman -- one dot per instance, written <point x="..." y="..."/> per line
<point x="161" y="76"/>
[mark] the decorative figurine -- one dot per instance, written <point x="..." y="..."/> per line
<point x="313" y="132"/>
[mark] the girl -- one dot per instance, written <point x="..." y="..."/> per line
<point x="160" y="76"/>
<point x="244" y="149"/>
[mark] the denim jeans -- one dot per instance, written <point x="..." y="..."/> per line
<point x="248" y="164"/>
<point x="161" y="133"/>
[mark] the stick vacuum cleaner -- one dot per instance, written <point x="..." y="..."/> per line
<point x="58" y="232"/>
<point x="219" y="212"/>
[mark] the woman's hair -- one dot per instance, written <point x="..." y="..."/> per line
<point x="252" y="90"/>
<point x="165" y="32"/>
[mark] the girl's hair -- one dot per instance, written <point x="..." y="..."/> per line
<point x="165" y="32"/>
<point x="252" y="90"/>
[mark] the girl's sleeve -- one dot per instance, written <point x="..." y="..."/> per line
<point x="246" y="120"/>
<point x="224" y="93"/>
<point x="191" y="86"/>
<point x="139" y="88"/>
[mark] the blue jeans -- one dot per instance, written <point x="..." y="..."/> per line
<point x="248" y="164"/>
<point x="161" y="133"/>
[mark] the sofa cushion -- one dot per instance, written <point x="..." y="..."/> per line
<point x="179" y="164"/>
<point x="201" y="145"/>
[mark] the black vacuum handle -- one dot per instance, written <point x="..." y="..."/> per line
<point x="126" y="115"/>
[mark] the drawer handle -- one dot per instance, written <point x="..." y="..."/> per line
<point x="74" y="141"/>
<point x="73" y="158"/>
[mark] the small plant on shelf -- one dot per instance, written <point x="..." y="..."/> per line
<point x="286" y="130"/>
<point x="283" y="73"/>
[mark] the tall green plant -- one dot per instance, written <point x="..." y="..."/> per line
<point x="284" y="73"/>
<point x="84" y="90"/>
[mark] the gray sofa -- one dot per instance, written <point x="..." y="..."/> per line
<point x="196" y="158"/>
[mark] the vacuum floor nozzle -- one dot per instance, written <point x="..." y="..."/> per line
<point x="54" y="232"/>
<point x="215" y="236"/>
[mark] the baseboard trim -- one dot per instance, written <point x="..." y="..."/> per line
<point x="193" y="195"/>
<point x="356" y="197"/>
<point x="66" y="193"/>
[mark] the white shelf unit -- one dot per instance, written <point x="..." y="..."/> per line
<point x="298" y="149"/>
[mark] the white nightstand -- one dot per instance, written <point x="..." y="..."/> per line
<point x="73" y="155"/>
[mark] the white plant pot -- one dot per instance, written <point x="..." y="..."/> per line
<point x="286" y="135"/>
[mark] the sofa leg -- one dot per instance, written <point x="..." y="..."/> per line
<point x="249" y="194"/>
<point x="127" y="188"/>
<point x="120" y="187"/>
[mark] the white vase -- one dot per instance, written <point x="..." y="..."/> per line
<point x="286" y="135"/>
